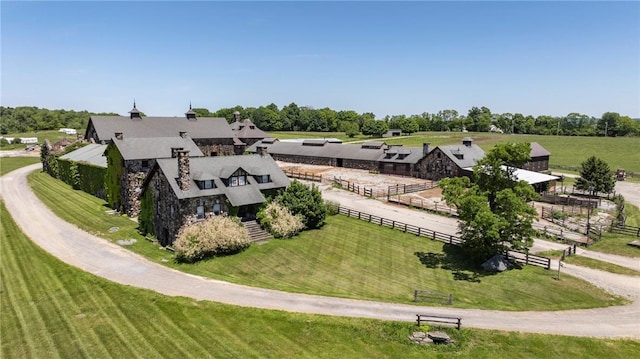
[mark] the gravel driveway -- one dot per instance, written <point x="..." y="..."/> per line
<point x="117" y="264"/>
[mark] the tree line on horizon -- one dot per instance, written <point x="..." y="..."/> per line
<point x="304" y="118"/>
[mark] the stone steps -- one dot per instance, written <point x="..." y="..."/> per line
<point x="256" y="233"/>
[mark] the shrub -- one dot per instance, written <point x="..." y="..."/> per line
<point x="278" y="220"/>
<point x="305" y="201"/>
<point x="212" y="237"/>
<point x="332" y="207"/>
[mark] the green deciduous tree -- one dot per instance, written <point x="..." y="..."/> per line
<point x="493" y="210"/>
<point x="374" y="128"/>
<point x="304" y="201"/>
<point x="595" y="176"/>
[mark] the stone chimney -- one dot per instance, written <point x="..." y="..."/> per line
<point x="183" y="134"/>
<point x="425" y="148"/>
<point x="184" y="175"/>
<point x="119" y="135"/>
<point x="467" y="141"/>
<point x="236" y="116"/>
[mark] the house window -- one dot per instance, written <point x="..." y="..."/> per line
<point x="208" y="184"/>
<point x="173" y="212"/>
<point x="145" y="163"/>
<point x="263" y="179"/>
<point x="216" y="209"/>
<point x="238" y="178"/>
<point x="200" y="212"/>
<point x="238" y="181"/>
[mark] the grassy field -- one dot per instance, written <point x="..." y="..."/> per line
<point x="52" y="135"/>
<point x="8" y="164"/>
<point x="382" y="264"/>
<point x="591" y="263"/>
<point x="52" y="310"/>
<point x="618" y="152"/>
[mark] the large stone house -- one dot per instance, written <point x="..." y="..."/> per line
<point x="372" y="156"/>
<point x="246" y="131"/>
<point x="180" y="190"/>
<point x="129" y="160"/>
<point x="450" y="160"/>
<point x="212" y="135"/>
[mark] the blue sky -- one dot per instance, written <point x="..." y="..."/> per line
<point x="535" y="58"/>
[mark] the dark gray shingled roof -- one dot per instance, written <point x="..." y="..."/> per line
<point x="156" y="147"/>
<point x="470" y="154"/>
<point x="92" y="153"/>
<point x="247" y="129"/>
<point x="201" y="127"/>
<point x="368" y="151"/>
<point x="538" y="151"/>
<point x="202" y="168"/>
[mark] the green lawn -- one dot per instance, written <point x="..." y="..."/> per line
<point x="614" y="243"/>
<point x="8" y="164"/>
<point x="591" y="263"/>
<point x="347" y="258"/>
<point x="51" y="135"/>
<point x="52" y="310"/>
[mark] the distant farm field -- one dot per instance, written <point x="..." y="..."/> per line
<point x="618" y="152"/>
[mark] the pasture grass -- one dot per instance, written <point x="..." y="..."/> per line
<point x="8" y="164"/>
<point x="591" y="263"/>
<point x="346" y="258"/>
<point x="614" y="243"/>
<point x="52" y="310"/>
<point x="633" y="215"/>
<point x="51" y="135"/>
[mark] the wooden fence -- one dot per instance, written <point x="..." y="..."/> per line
<point x="356" y="188"/>
<point x="627" y="230"/>
<point x="410" y="188"/>
<point x="457" y="321"/>
<point x="303" y="175"/>
<point x="422" y="204"/>
<point x="524" y="258"/>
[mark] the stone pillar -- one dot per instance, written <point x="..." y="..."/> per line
<point x="184" y="177"/>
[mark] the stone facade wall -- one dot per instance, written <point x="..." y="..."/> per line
<point x="216" y="147"/>
<point x="171" y="213"/>
<point x="322" y="161"/>
<point x="436" y="165"/>
<point x="360" y="164"/>
<point x="135" y="171"/>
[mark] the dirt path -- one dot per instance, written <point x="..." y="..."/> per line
<point x="112" y="262"/>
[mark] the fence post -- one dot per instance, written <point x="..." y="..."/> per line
<point x="419" y="229"/>
<point x="450" y="239"/>
<point x="526" y="258"/>
<point x="434" y="236"/>
<point x="418" y="315"/>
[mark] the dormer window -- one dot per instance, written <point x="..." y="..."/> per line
<point x="206" y="184"/>
<point x="239" y="178"/>
<point x="263" y="178"/>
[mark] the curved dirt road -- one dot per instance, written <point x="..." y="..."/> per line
<point x="112" y="262"/>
